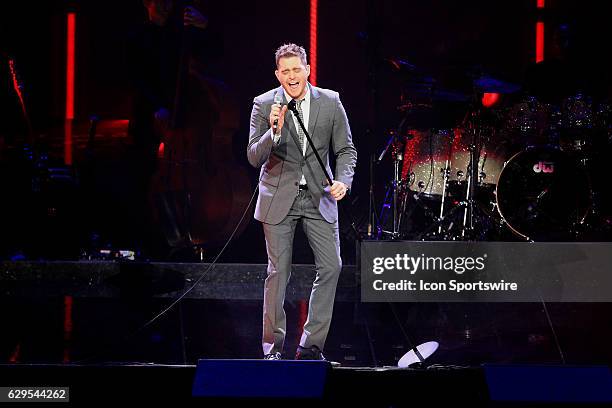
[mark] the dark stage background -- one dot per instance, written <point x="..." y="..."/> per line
<point x="449" y="41"/>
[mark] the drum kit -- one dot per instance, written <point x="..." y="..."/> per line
<point x="523" y="170"/>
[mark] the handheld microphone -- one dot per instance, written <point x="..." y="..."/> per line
<point x="278" y="99"/>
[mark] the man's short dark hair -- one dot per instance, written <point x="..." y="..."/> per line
<point x="291" y="50"/>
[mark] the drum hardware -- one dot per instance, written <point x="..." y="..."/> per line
<point x="436" y="178"/>
<point x="401" y="199"/>
<point x="470" y="184"/>
<point x="397" y="158"/>
<point x="446" y="173"/>
<point x="371" y="201"/>
<point x="394" y="144"/>
<point x="467" y="228"/>
<point x="471" y="178"/>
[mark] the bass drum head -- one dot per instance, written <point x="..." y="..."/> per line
<point x="543" y="194"/>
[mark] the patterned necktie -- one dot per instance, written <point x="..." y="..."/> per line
<point x="300" y="132"/>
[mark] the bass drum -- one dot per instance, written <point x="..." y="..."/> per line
<point x="543" y="194"/>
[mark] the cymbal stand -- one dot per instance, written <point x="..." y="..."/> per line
<point x="446" y="170"/>
<point x="371" y="204"/>
<point x="468" y="210"/>
<point x="467" y="230"/>
<point x="398" y="156"/>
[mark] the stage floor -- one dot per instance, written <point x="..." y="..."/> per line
<point x="94" y="312"/>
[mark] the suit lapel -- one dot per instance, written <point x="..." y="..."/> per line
<point x="315" y="105"/>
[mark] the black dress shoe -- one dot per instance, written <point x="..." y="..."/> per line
<point x="273" y="356"/>
<point x="312" y="353"/>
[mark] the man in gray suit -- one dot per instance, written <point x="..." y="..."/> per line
<point x="293" y="187"/>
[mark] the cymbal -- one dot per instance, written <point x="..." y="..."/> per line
<point x="487" y="84"/>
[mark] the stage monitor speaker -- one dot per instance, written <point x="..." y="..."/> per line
<point x="260" y="378"/>
<point x="541" y="383"/>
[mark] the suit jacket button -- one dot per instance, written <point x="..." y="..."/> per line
<point x="324" y="183"/>
<point x="296" y="183"/>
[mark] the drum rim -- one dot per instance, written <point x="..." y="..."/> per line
<point x="501" y="214"/>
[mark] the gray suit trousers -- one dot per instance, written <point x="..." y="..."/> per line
<point x="324" y="240"/>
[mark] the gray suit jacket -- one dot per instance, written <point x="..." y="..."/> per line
<point x="280" y="164"/>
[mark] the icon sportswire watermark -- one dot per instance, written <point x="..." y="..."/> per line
<point x="485" y="271"/>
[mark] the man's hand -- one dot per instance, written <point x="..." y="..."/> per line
<point x="193" y="17"/>
<point x="277" y="113"/>
<point x="338" y="190"/>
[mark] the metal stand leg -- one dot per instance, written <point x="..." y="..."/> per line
<point x="446" y="171"/>
<point x="396" y="184"/>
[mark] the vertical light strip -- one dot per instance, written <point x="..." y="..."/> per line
<point x="539" y="41"/>
<point x="313" y="41"/>
<point x="70" y="49"/>
<point x="539" y="45"/>
<point x="67" y="327"/>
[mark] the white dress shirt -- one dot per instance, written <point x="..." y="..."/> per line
<point x="306" y="115"/>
